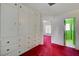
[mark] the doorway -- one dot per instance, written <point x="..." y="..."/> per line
<point x="69" y="34"/>
<point x="46" y="32"/>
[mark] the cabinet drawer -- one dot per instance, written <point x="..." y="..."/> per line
<point x="24" y="40"/>
<point x="7" y="49"/>
<point x="13" y="53"/>
<point x="9" y="41"/>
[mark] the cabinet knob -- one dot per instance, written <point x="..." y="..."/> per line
<point x="8" y="41"/>
<point x="15" y="4"/>
<point x="20" y="6"/>
<point x="8" y="49"/>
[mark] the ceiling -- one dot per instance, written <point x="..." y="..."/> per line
<point x="57" y="9"/>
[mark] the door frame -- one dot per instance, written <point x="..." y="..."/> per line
<point x="74" y="31"/>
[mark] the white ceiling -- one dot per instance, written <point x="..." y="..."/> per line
<point x="57" y="9"/>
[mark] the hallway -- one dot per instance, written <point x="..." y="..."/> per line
<point x="52" y="50"/>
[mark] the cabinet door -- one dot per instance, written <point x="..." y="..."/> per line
<point x="13" y="53"/>
<point x="8" y="49"/>
<point x="23" y="20"/>
<point x="9" y="41"/>
<point x="9" y="18"/>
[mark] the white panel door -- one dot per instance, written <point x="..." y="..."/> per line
<point x="9" y="18"/>
<point x="23" y="20"/>
<point x="23" y="28"/>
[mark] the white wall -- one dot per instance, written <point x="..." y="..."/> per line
<point x="50" y="19"/>
<point x="61" y="18"/>
<point x="57" y="28"/>
<point x="58" y="31"/>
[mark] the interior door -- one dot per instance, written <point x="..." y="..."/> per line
<point x="70" y="32"/>
<point x="47" y="32"/>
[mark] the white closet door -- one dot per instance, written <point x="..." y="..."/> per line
<point x="9" y="20"/>
<point x="23" y="20"/>
<point x="23" y="28"/>
<point x="32" y="24"/>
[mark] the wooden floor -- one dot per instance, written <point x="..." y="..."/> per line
<point x="51" y="50"/>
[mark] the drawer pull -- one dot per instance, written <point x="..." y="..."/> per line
<point x="8" y="42"/>
<point x="15" y="4"/>
<point x="8" y="49"/>
<point x="20" y="6"/>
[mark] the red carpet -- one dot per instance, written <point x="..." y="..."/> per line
<point x="52" y="50"/>
<point x="49" y="49"/>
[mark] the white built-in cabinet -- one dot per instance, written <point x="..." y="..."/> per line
<point x="9" y="18"/>
<point x="19" y="29"/>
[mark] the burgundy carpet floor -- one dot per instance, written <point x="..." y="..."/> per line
<point x="51" y="50"/>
